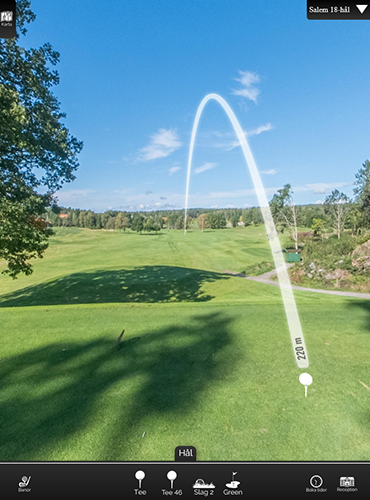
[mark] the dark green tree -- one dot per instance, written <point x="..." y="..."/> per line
<point x="216" y="220"/>
<point x="90" y="220"/>
<point x="172" y="219"/>
<point x="179" y="224"/>
<point x="151" y="225"/>
<point x="362" y="190"/>
<point x="137" y="223"/>
<point x="37" y="151"/>
<point x="234" y="219"/>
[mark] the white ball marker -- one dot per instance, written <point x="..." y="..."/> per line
<point x="171" y="476"/>
<point x="306" y="380"/>
<point x="140" y="474"/>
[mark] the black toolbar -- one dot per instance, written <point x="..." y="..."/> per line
<point x="185" y="479"/>
<point x="341" y="10"/>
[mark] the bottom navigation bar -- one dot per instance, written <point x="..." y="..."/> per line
<point x="184" y="479"/>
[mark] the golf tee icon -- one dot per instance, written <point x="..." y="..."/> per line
<point x="306" y="380"/>
<point x="171" y="476"/>
<point x="140" y="474"/>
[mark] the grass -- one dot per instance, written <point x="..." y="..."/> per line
<point x="206" y="358"/>
<point x="258" y="269"/>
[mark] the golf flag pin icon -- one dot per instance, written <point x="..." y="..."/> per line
<point x="306" y="380"/>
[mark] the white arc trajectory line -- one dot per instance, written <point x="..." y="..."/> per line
<point x="294" y="324"/>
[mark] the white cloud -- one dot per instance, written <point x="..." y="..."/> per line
<point x="229" y="206"/>
<point x="174" y="169"/>
<point x="246" y="205"/>
<point x="131" y="199"/>
<point x="268" y="172"/>
<point x="260" y="129"/>
<point x="71" y="196"/>
<point x="247" y="79"/>
<point x="161" y="144"/>
<point x="228" y="141"/>
<point x="272" y="190"/>
<point x="320" y="187"/>
<point x="319" y="202"/>
<point x="203" y="168"/>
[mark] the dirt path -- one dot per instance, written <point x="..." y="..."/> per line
<point x="266" y="279"/>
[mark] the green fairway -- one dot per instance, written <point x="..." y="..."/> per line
<point x="206" y="358"/>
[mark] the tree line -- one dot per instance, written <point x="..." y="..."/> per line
<point x="338" y="212"/>
<point x="174" y="219"/>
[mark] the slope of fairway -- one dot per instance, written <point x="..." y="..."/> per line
<point x="206" y="359"/>
<point x="84" y="266"/>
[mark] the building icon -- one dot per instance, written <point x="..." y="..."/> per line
<point x="347" y="481"/>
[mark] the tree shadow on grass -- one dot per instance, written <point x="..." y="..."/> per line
<point x="50" y="395"/>
<point x="364" y="305"/>
<point x="148" y="284"/>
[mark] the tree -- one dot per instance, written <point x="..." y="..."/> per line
<point x="75" y="215"/>
<point x="252" y="216"/>
<point x="202" y="221"/>
<point x="189" y="221"/>
<point x="318" y="227"/>
<point x="151" y="225"/>
<point x="158" y="219"/>
<point x="81" y="219"/>
<point x="247" y="217"/>
<point x="111" y="223"/>
<point x="104" y="219"/>
<point x="90" y="220"/>
<point x="36" y="149"/>
<point x="284" y="211"/>
<point x="179" y="224"/>
<point x="216" y="220"/>
<point x="171" y="220"/>
<point x="311" y="212"/>
<point x="122" y="222"/>
<point x="362" y="188"/>
<point x="98" y="223"/>
<point x="126" y="223"/>
<point x="137" y="223"/>
<point x="356" y="219"/>
<point x="337" y="208"/>
<point x="234" y="219"/>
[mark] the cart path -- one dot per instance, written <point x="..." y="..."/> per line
<point x="266" y="279"/>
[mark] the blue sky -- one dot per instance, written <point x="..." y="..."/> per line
<point x="133" y="73"/>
